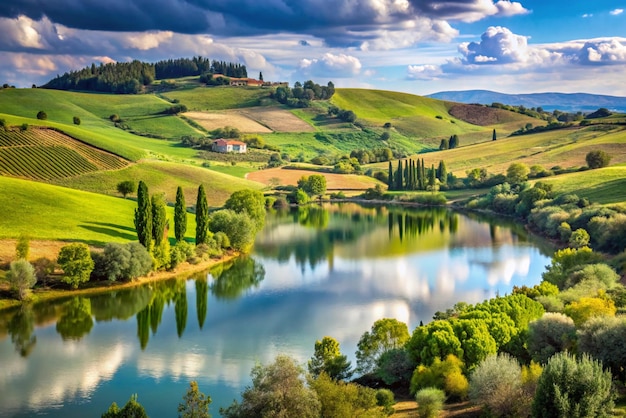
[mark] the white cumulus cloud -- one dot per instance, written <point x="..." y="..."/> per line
<point x="330" y="64"/>
<point x="423" y="72"/>
<point x="616" y="12"/>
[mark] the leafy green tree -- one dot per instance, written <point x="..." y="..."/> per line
<point x="597" y="159"/>
<point x="434" y="340"/>
<point x="573" y="387"/>
<point x="22" y="247"/>
<point x="385" y="334"/>
<point x="239" y="228"/>
<point x="125" y="187"/>
<point x="566" y="261"/>
<point x="21" y="277"/>
<point x="328" y="359"/>
<point x="41" y="115"/>
<point x="394" y="367"/>
<point x="180" y="215"/>
<point x="76" y="121"/>
<point x="444" y="144"/>
<point x="316" y="185"/>
<point x="76" y="263"/>
<point x="202" y="217"/>
<point x="429" y="402"/>
<point x="497" y="384"/>
<point x="517" y="173"/>
<point x="132" y="409"/>
<point x="143" y="216"/>
<point x="21" y="328"/>
<point x="159" y="218"/>
<point x="476" y="341"/>
<point x="251" y="202"/>
<point x="278" y="390"/>
<point x="195" y="403"/>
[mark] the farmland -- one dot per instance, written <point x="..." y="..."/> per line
<point x="45" y="154"/>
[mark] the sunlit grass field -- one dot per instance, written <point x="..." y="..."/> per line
<point x="48" y="212"/>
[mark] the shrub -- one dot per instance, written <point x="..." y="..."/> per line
<point x="301" y="197"/>
<point x="115" y="118"/>
<point x="122" y="262"/>
<point x="571" y="387"/>
<point x="41" y="115"/>
<point x="385" y="398"/>
<point x="588" y="307"/>
<point x="76" y="120"/>
<point x="603" y="339"/>
<point x="446" y="375"/>
<point x="565" y="261"/>
<point x="21" y="277"/>
<point x="429" y="402"/>
<point x="162" y="254"/>
<point x="597" y="159"/>
<point x="238" y="227"/>
<point x="496" y="383"/>
<point x="550" y="334"/>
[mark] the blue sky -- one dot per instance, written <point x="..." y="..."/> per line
<point x="416" y="46"/>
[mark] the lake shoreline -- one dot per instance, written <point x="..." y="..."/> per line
<point x="182" y="271"/>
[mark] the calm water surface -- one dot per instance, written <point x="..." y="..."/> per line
<point x="313" y="272"/>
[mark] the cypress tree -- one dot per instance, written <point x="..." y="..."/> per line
<point x="159" y="218"/>
<point x="407" y="181"/>
<point x="399" y="176"/>
<point x="423" y="175"/>
<point x="202" y="217"/>
<point x="494" y="137"/>
<point x="431" y="176"/>
<point x="443" y="172"/>
<point x="390" y="180"/>
<point x="420" y="179"/>
<point x="143" y="216"/>
<point x="180" y="215"/>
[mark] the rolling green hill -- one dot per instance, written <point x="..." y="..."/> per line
<point x="50" y="212"/>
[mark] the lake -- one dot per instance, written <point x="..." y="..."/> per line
<point x="313" y="272"/>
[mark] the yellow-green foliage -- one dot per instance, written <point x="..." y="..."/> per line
<point x="342" y="399"/>
<point x="446" y="375"/>
<point x="589" y="307"/>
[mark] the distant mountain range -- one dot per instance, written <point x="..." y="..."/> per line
<point x="567" y="102"/>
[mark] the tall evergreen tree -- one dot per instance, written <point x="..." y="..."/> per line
<point x="431" y="176"/>
<point x="143" y="216"/>
<point x="180" y="215"/>
<point x="406" y="175"/>
<point x="442" y="172"/>
<point x="202" y="217"/>
<point x="494" y="137"/>
<point x="399" y="176"/>
<point x="454" y="141"/>
<point x="420" y="179"/>
<point x="390" y="184"/>
<point x="159" y="218"/>
<point x="424" y="179"/>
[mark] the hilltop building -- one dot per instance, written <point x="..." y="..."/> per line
<point x="229" y="145"/>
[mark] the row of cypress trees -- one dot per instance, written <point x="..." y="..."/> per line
<point x="151" y="217"/>
<point x="413" y="175"/>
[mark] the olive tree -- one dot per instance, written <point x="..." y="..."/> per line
<point x="573" y="387"/>
<point x="603" y="339"/>
<point x="21" y="277"/>
<point x="277" y="390"/>
<point x="550" y="334"/>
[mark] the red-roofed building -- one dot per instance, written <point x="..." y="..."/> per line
<point x="229" y="145"/>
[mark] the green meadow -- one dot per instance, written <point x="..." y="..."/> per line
<point x="48" y="212"/>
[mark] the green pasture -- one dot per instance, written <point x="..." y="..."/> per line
<point x="218" y="98"/>
<point x="605" y="185"/>
<point x="164" y="177"/>
<point x="49" y="212"/>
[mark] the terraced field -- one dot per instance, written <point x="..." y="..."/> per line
<point x="46" y="154"/>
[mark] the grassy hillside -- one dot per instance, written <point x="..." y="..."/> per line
<point x="56" y="213"/>
<point x="164" y="177"/>
<point x="218" y="98"/>
<point x="423" y="118"/>
<point x="605" y="185"/>
<point x="564" y="148"/>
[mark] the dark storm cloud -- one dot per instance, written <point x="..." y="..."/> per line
<point x="332" y="20"/>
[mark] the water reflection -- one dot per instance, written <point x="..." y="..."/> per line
<point x="315" y="272"/>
